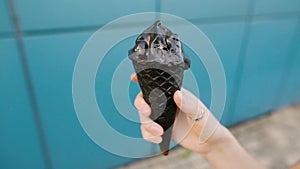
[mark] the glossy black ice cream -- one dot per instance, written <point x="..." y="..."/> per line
<point x="158" y="44"/>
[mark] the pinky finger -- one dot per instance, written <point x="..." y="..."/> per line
<point x="150" y="137"/>
<point x="155" y="139"/>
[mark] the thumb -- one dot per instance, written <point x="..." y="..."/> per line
<point x="192" y="107"/>
<point x="188" y="103"/>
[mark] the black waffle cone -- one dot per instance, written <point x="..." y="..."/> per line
<point x="158" y="83"/>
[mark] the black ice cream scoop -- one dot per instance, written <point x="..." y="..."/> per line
<point x="159" y="62"/>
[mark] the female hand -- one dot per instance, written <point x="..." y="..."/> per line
<point x="197" y="135"/>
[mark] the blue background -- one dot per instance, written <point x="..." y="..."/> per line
<point x="258" y="43"/>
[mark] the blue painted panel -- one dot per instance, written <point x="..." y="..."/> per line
<point x="256" y="95"/>
<point x="19" y="144"/>
<point x="276" y="6"/>
<point x="116" y="115"/>
<point x="291" y="93"/>
<point x="221" y="35"/>
<point x="264" y="67"/>
<point x="6" y="25"/>
<point x="68" y="13"/>
<point x="269" y="45"/>
<point x="192" y="9"/>
<point x="52" y="60"/>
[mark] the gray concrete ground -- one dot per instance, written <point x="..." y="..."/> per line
<point x="273" y="140"/>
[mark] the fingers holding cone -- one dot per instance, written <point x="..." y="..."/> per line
<point x="151" y="131"/>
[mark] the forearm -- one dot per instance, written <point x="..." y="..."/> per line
<point x="231" y="155"/>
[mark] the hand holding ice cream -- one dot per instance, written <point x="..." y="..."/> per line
<point x="221" y="149"/>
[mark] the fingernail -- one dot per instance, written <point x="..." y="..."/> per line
<point x="179" y="95"/>
<point x="131" y="76"/>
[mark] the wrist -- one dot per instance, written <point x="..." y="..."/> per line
<point x="228" y="153"/>
<point x="222" y="138"/>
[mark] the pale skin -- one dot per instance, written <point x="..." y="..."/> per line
<point x="206" y="136"/>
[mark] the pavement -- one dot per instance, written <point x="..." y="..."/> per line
<point x="273" y="140"/>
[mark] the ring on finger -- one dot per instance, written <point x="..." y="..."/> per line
<point x="201" y="115"/>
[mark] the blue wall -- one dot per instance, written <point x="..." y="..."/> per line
<point x="258" y="42"/>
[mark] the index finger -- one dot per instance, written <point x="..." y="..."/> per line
<point x="134" y="77"/>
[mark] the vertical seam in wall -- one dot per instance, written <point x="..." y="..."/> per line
<point x="29" y="84"/>
<point x="285" y="76"/>
<point x="241" y="61"/>
<point x="157" y="8"/>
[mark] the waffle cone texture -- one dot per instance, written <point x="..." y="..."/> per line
<point x="158" y="84"/>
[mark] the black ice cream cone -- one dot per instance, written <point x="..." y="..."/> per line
<point x="159" y="63"/>
<point x="158" y="84"/>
